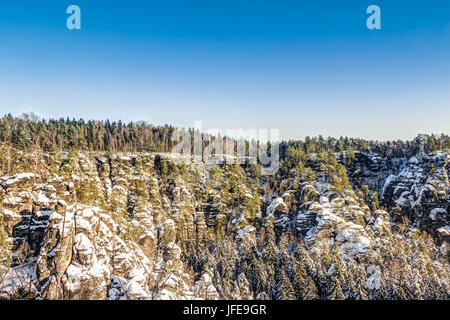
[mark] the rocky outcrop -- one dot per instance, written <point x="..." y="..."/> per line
<point x="135" y="226"/>
<point x="416" y="187"/>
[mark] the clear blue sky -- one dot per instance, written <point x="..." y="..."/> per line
<point x="305" y="67"/>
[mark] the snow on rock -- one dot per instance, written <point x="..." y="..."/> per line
<point x="248" y="232"/>
<point x="276" y="205"/>
<point x="444" y="231"/>
<point x="331" y="218"/>
<point x="373" y="277"/>
<point x="125" y="244"/>
<point x="17" y="178"/>
<point x="436" y="212"/>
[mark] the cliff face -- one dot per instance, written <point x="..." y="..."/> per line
<point x="416" y="188"/>
<point x="143" y="226"/>
<point x="90" y="226"/>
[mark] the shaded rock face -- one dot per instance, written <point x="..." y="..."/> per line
<point x="416" y="185"/>
<point x="373" y="170"/>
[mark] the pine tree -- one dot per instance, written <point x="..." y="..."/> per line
<point x="285" y="291"/>
<point x="303" y="284"/>
<point x="270" y="254"/>
<point x="361" y="293"/>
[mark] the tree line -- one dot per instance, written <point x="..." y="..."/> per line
<point x="30" y="132"/>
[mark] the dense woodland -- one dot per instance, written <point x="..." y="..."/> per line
<point x="403" y="262"/>
<point x="28" y="132"/>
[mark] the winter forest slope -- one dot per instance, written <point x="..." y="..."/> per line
<point x="99" y="210"/>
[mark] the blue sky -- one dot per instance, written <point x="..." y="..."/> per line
<point x="305" y="67"/>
